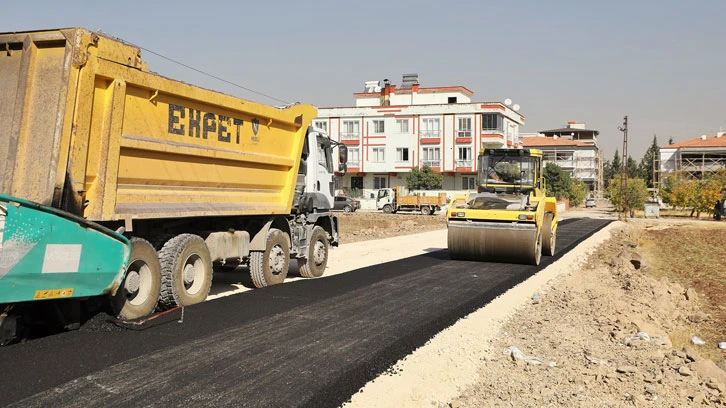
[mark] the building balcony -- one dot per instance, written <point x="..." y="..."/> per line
<point x="464" y="133"/>
<point x="464" y="164"/>
<point x="431" y="163"/>
<point x="349" y="135"/>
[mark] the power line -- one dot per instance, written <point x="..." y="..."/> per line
<point x="199" y="71"/>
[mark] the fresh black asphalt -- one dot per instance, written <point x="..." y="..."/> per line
<point x="309" y="343"/>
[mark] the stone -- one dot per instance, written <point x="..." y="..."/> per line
<point x="698" y="317"/>
<point x="626" y="369"/>
<point x="685" y="371"/>
<point x="707" y="368"/>
<point x="691" y="353"/>
<point x="691" y="294"/>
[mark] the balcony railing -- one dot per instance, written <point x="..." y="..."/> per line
<point x="464" y="133"/>
<point x="431" y="163"/>
<point x="353" y="163"/>
<point x="464" y="163"/>
<point x="349" y="135"/>
<point x="430" y="134"/>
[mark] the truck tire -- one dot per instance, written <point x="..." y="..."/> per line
<point x="426" y="211"/>
<point x="139" y="291"/>
<point x="549" y="236"/>
<point x="387" y="209"/>
<point x="269" y="267"/>
<point x="316" y="259"/>
<point x="186" y="271"/>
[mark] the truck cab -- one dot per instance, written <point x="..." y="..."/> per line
<point x="386" y="200"/>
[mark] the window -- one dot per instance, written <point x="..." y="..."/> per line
<point x="379" y="182"/>
<point x="377" y="155"/>
<point x="464" y="127"/>
<point x="378" y="126"/>
<point x="402" y="125"/>
<point x="350" y="130"/>
<point x="452" y="99"/>
<point x="430" y="127"/>
<point x="491" y="121"/>
<point x="325" y="156"/>
<point x="402" y="154"/>
<point x="431" y="156"/>
<point x="353" y="157"/>
<point x="321" y="124"/>
<point x="356" y="182"/>
<point x="464" y="157"/>
<point x="468" y="183"/>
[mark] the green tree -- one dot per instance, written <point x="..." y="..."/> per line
<point x="628" y="199"/>
<point x="578" y="190"/>
<point x="632" y="168"/>
<point x="557" y="180"/>
<point x="647" y="164"/>
<point x="424" y="179"/>
<point x="607" y="172"/>
<point x="698" y="195"/>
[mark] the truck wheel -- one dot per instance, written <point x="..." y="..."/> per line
<point x="186" y="271"/>
<point x="387" y="209"/>
<point x="139" y="291"/>
<point x="549" y="236"/>
<point x="313" y="265"/>
<point x="269" y="267"/>
<point x="425" y="211"/>
<point x="347" y="208"/>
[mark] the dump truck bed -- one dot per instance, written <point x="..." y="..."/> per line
<point x="89" y="130"/>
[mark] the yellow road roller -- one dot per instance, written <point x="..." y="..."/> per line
<point x="509" y="218"/>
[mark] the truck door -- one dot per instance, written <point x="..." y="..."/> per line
<point x="320" y="167"/>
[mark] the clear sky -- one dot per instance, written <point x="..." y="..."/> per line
<point x="662" y="63"/>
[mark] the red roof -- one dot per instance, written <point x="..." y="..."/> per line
<point x="710" y="141"/>
<point x="538" y="141"/>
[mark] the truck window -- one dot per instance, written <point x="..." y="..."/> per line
<point x="382" y="193"/>
<point x="325" y="155"/>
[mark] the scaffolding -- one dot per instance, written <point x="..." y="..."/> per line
<point x="690" y="164"/>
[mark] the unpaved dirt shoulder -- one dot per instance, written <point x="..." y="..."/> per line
<point x="442" y="369"/>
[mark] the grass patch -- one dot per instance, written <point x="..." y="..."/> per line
<point x="694" y="256"/>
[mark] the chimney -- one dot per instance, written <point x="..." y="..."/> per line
<point x="719" y="134"/>
<point x="386" y="93"/>
<point x="703" y="137"/>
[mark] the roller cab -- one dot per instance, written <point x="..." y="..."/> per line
<point x="508" y="219"/>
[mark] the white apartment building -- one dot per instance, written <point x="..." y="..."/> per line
<point x="392" y="129"/>
<point x="574" y="148"/>
<point x="693" y="157"/>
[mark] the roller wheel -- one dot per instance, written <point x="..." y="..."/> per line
<point x="139" y="291"/>
<point x="549" y="235"/>
<point x="537" y="252"/>
<point x="269" y="267"/>
<point x="387" y="209"/>
<point x="313" y="265"/>
<point x="186" y="271"/>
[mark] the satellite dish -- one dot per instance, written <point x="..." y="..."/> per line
<point x="507" y="101"/>
<point x="515" y="107"/>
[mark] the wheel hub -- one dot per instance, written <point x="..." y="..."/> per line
<point x="189" y="274"/>
<point x="132" y="282"/>
<point x="319" y="253"/>
<point x="277" y="259"/>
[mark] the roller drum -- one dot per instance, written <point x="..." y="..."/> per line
<point x="490" y="241"/>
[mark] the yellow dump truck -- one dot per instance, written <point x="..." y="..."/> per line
<point x="184" y="177"/>
<point x="392" y="200"/>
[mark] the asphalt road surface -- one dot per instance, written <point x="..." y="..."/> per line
<point x="308" y="343"/>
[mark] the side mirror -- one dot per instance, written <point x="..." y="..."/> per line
<point x="342" y="154"/>
<point x="342" y="168"/>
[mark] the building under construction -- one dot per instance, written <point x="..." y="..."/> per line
<point x="692" y="158"/>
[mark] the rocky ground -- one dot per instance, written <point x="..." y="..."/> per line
<point x="600" y="337"/>
<point x="608" y="332"/>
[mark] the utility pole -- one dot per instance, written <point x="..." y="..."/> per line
<point x="624" y="170"/>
